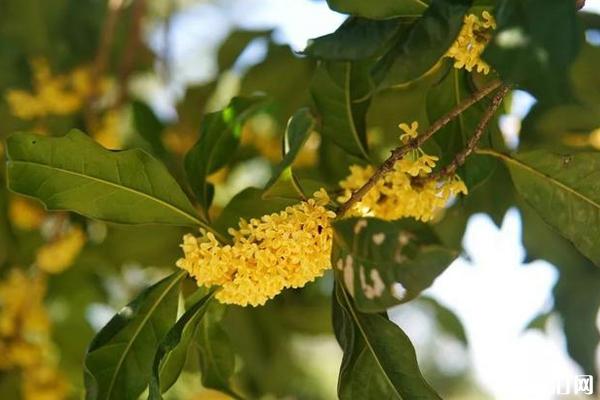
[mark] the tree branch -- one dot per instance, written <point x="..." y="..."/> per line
<point x="399" y="152"/>
<point x="461" y="157"/>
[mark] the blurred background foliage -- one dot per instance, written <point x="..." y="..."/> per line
<point x="138" y="89"/>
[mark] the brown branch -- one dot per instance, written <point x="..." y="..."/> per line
<point x="399" y="152"/>
<point x="106" y="38"/>
<point x="461" y="157"/>
<point x="134" y="41"/>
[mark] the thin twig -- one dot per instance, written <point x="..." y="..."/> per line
<point x="106" y="37"/>
<point x="461" y="157"/>
<point x="101" y="60"/>
<point x="399" y="152"/>
<point x="134" y="41"/>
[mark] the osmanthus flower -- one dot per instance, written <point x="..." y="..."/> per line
<point x="25" y="342"/>
<point x="53" y="94"/>
<point x="396" y="195"/>
<point x="24" y="324"/>
<point x="471" y="41"/>
<point x="59" y="254"/>
<point x="277" y="251"/>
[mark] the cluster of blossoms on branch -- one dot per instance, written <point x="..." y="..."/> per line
<point x="397" y="195"/>
<point x="52" y="94"/>
<point x="470" y="44"/>
<point x="277" y="251"/>
<point x="67" y="94"/>
<point x="25" y="329"/>
<point x="293" y="247"/>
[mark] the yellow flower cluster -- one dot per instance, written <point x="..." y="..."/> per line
<point x="471" y="41"/>
<point x="52" y="95"/>
<point x="24" y="324"/>
<point x="396" y="195"/>
<point x="25" y="214"/>
<point x="25" y="337"/>
<point x="58" y="255"/>
<point x="277" y="251"/>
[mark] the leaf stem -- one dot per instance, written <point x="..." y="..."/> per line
<point x="399" y="152"/>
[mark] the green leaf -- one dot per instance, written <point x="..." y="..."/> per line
<point x="379" y="9"/>
<point x="217" y="360"/>
<point x="235" y="44"/>
<point x="172" y="350"/>
<point x="577" y="293"/>
<point x="148" y="126"/>
<point x="356" y="39"/>
<point x="118" y="363"/>
<point x="75" y="173"/>
<point x="417" y="49"/>
<point x="340" y="91"/>
<point x="387" y="263"/>
<point x="446" y="319"/>
<point x="219" y="139"/>
<point x="563" y="189"/>
<point x="379" y="359"/>
<point x="535" y="44"/>
<point x="283" y="77"/>
<point x="283" y="183"/>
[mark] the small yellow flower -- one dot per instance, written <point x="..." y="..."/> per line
<point x="58" y="255"/>
<point x="410" y="132"/>
<point x="471" y="42"/>
<point x="261" y="262"/>
<point x="25" y="214"/>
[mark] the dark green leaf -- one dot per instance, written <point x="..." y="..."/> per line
<point x="577" y="293"/>
<point x="172" y="350"/>
<point x="379" y="360"/>
<point x="417" y="49"/>
<point x="219" y="138"/>
<point x="535" y="44"/>
<point x="217" y="360"/>
<point x="446" y="319"/>
<point x="387" y="263"/>
<point x="148" y="126"/>
<point x="356" y="39"/>
<point x="234" y="45"/>
<point x="75" y="173"/>
<point x="283" y="182"/>
<point x="283" y="77"/>
<point x="118" y="363"/>
<point x="380" y="8"/>
<point x="564" y="190"/>
<point x="340" y="91"/>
